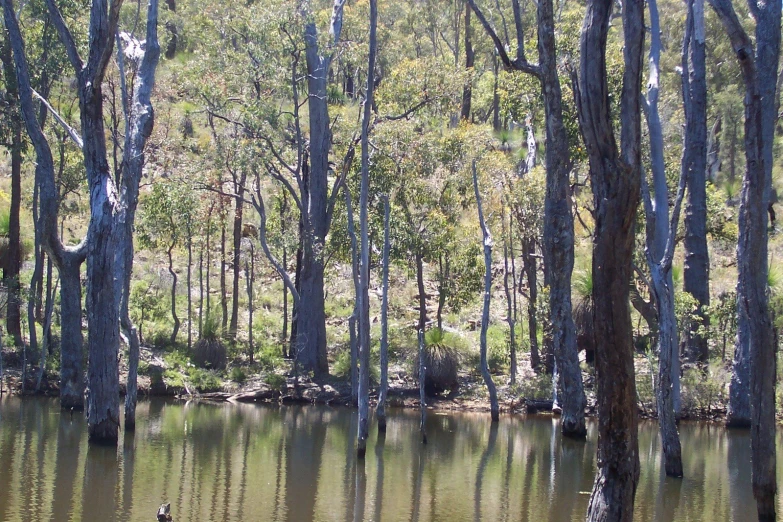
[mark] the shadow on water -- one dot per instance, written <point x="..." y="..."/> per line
<point x="238" y="462"/>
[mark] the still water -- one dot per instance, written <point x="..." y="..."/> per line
<point x="246" y="462"/>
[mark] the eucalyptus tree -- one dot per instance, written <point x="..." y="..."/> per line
<point x="659" y="252"/>
<point x="615" y="175"/>
<point x="759" y="66"/>
<point x="109" y="211"/>
<point x="559" y="220"/>
<point x="696" y="272"/>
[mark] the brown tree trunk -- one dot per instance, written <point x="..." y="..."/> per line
<point x="381" y="410"/>
<point x="616" y="186"/>
<point x="239" y="188"/>
<point x="759" y="68"/>
<point x="470" y="56"/>
<point x="529" y="267"/>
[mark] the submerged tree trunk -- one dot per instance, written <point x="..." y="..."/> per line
<point x="352" y="321"/>
<point x="71" y="339"/>
<point x="364" y="259"/>
<point x="738" y="415"/>
<point x="381" y="411"/>
<point x="493" y="395"/>
<point x="659" y="252"/>
<point x="696" y="274"/>
<point x="422" y="395"/>
<point x="615" y="179"/>
<point x="759" y="68"/>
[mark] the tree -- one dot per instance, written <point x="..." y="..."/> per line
<point x="615" y="176"/>
<point x="487" y="242"/>
<point x="363" y="299"/>
<point x="659" y="253"/>
<point x="759" y="66"/>
<point x="559" y="220"/>
<point x="696" y="274"/>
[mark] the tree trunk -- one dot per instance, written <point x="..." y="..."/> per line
<point x="381" y="411"/>
<point x="201" y="289"/>
<point x="559" y="231"/>
<point x="364" y="260"/>
<point x="223" y="289"/>
<point x="71" y="339"/>
<point x="529" y="266"/>
<point x="175" y="331"/>
<point x="659" y="249"/>
<point x="352" y="321"/>
<point x="422" y="292"/>
<point x="509" y="304"/>
<point x="249" y="271"/>
<point x="13" y="255"/>
<point x="759" y="68"/>
<point x="696" y="274"/>
<point x="616" y="185"/>
<point x="239" y="189"/>
<point x="738" y="415"/>
<point x="470" y="56"/>
<point x="443" y="277"/>
<point x="493" y="394"/>
<point x="189" y="285"/>
<point x="422" y="395"/>
<point x="713" y="147"/>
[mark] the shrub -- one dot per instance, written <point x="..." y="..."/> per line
<point x="701" y="390"/>
<point x="275" y="381"/>
<point x="536" y="387"/>
<point x="441" y="358"/>
<point x="204" y="381"/>
<point x="238" y="375"/>
<point x="498" y="349"/>
<point x="209" y="351"/>
<point x="269" y="357"/>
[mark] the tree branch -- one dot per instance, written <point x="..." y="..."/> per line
<point x="74" y="135"/>
<point x="65" y="37"/>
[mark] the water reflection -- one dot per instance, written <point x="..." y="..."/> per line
<point x="249" y="462"/>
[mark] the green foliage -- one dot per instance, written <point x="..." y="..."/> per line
<point x="498" y="349"/>
<point x="204" y="380"/>
<point x="702" y="390"/>
<point x="238" y="374"/>
<point x="269" y="357"/>
<point x="537" y="386"/>
<point x="275" y="381"/>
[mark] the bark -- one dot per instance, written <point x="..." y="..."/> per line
<point x="354" y="340"/>
<point x="139" y="120"/>
<point x="616" y="185"/>
<point x="174" y="317"/>
<point x="422" y="395"/>
<point x="45" y="207"/>
<point x="13" y="256"/>
<point x="659" y="251"/>
<point x="696" y="274"/>
<point x="529" y="267"/>
<point x="558" y="219"/>
<point x="189" y="285"/>
<point x="223" y="290"/>
<point x="470" y="57"/>
<point x="759" y="68"/>
<point x="444" y="273"/>
<point x="422" y="292"/>
<point x="249" y="272"/>
<point x="311" y="318"/>
<point x="510" y="319"/>
<point x="364" y="261"/>
<point x="239" y="188"/>
<point x="713" y="149"/>
<point x="493" y="394"/>
<point x="283" y="229"/>
<point x="381" y="409"/>
<point x="738" y="415"/>
<point x="200" y="289"/>
<point x="532" y="146"/>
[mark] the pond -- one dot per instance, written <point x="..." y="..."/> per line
<point x="247" y="462"/>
